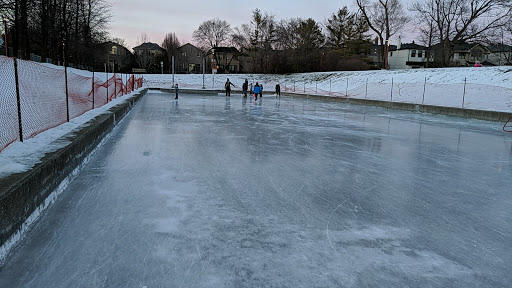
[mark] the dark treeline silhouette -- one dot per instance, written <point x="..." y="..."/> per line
<point x="56" y="28"/>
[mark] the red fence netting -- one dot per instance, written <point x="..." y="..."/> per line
<point x="9" y="130"/>
<point x="42" y="91"/>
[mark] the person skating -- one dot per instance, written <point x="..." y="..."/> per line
<point x="257" y="90"/>
<point x="278" y="90"/>
<point x="228" y="87"/>
<point x="261" y="90"/>
<point x="251" y="90"/>
<point x="176" y="90"/>
<point x="244" y="88"/>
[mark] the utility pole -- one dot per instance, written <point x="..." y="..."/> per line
<point x="5" y="32"/>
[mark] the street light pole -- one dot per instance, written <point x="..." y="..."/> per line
<point x="5" y="27"/>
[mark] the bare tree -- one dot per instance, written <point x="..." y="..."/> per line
<point x="384" y="17"/>
<point x="171" y="45"/>
<point x="120" y="41"/>
<point x="458" y="21"/>
<point x="286" y="33"/>
<point x="42" y="26"/>
<point x="143" y="38"/>
<point x="212" y="33"/>
<point x="240" y="37"/>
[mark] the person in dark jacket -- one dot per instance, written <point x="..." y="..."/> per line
<point x="278" y="90"/>
<point x="228" y="87"/>
<point x="176" y="89"/>
<point x="245" y="86"/>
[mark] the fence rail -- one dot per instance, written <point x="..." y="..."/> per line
<point x="35" y="97"/>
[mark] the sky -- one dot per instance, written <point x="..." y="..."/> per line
<point x="156" y="18"/>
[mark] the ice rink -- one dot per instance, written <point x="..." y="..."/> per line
<point x="211" y="191"/>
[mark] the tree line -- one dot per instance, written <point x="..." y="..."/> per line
<point x="55" y="29"/>
<point x="75" y="29"/>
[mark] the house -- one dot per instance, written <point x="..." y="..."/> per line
<point x="149" y="56"/>
<point x="467" y="54"/>
<point x="499" y="54"/>
<point x="407" y="56"/>
<point x="116" y="57"/>
<point x="189" y="59"/>
<point x="151" y="48"/>
<point x="225" y="59"/>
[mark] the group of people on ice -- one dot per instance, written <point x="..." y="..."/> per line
<point x="255" y="90"/>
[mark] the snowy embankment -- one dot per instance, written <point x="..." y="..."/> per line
<point x="484" y="88"/>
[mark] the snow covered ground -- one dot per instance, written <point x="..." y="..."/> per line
<point x="484" y="88"/>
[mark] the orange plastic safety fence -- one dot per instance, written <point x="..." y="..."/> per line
<point x="9" y="128"/>
<point x="42" y="91"/>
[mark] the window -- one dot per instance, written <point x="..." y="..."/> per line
<point x="413" y="53"/>
<point x="462" y="56"/>
<point x="420" y="53"/>
<point x="184" y="54"/>
<point x="114" y="50"/>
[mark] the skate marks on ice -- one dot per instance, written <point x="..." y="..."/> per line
<point x="379" y="254"/>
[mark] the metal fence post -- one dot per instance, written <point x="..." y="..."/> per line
<point x="18" y="98"/>
<point x="392" y="89"/>
<point x="346" y="89"/>
<point x="464" y="95"/>
<point x="92" y="86"/>
<point x="106" y="83"/>
<point x="330" y="86"/>
<point x="66" y="80"/>
<point x="366" y="93"/>
<point x="424" y="89"/>
<point x="115" y="84"/>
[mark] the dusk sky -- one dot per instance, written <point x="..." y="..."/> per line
<point x="156" y="18"/>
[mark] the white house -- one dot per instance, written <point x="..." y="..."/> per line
<point x="407" y="56"/>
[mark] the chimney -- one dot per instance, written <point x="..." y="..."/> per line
<point x="399" y="45"/>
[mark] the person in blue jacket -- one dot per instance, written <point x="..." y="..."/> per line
<point x="257" y="90"/>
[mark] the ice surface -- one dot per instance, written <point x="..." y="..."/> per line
<point x="212" y="191"/>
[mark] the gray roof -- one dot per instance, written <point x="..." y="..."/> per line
<point x="408" y="46"/>
<point x="495" y="48"/>
<point x="148" y="46"/>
